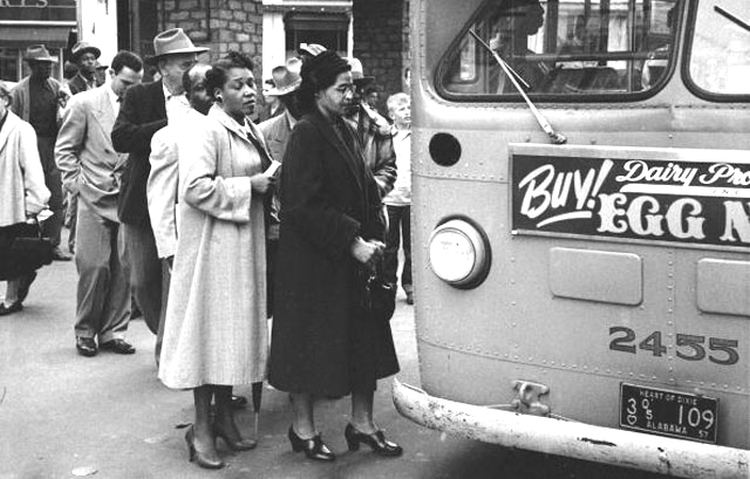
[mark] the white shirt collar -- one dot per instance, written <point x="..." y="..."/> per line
<point x="113" y="98"/>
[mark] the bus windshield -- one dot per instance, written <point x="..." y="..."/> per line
<point x="565" y="48"/>
<point x="720" y="54"/>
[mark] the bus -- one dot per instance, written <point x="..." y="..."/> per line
<point x="581" y="228"/>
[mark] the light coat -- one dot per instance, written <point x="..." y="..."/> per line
<point x="84" y="154"/>
<point x="215" y="329"/>
<point x="21" y="176"/>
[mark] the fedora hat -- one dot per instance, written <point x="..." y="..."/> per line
<point x="286" y="79"/>
<point x="358" y="74"/>
<point x="38" y="53"/>
<point x="83" y="47"/>
<point x="174" y="41"/>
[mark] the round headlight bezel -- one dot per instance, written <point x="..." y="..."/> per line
<point x="471" y="232"/>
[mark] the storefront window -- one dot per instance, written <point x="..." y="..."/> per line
<point x="720" y="54"/>
<point x="566" y="48"/>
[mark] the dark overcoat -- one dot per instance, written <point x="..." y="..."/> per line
<point x="142" y="113"/>
<point x="323" y="341"/>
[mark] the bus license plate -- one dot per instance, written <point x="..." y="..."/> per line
<point x="668" y="413"/>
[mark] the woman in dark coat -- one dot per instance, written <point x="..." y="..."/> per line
<point x="324" y="342"/>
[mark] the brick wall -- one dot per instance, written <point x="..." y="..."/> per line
<point x="220" y="25"/>
<point x="379" y="42"/>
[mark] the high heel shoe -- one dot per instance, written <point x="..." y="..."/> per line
<point x="377" y="442"/>
<point x="314" y="448"/>
<point x="241" y="444"/>
<point x="207" y="460"/>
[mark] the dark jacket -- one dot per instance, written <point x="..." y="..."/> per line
<point x="323" y="340"/>
<point x="77" y="84"/>
<point x="377" y="147"/>
<point x="142" y="114"/>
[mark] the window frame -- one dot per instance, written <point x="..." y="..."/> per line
<point x="441" y="69"/>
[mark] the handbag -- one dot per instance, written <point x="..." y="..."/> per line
<point x="380" y="297"/>
<point x="23" y="250"/>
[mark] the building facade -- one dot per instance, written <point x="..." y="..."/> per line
<point x="57" y="24"/>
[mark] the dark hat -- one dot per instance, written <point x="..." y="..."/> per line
<point x="83" y="47"/>
<point x="322" y="68"/>
<point x="174" y="41"/>
<point x="358" y="74"/>
<point x="286" y="79"/>
<point x="38" y="53"/>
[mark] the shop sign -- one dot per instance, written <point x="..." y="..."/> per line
<point x="38" y="10"/>
<point x="686" y="196"/>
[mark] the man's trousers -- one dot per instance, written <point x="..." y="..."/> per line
<point x="103" y="307"/>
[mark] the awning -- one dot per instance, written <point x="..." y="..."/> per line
<point x="21" y="36"/>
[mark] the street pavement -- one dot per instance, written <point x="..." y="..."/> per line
<point x="64" y="416"/>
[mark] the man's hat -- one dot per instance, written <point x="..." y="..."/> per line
<point x="83" y="47"/>
<point x="310" y="49"/>
<point x="174" y="41"/>
<point x="38" y="53"/>
<point x="100" y="66"/>
<point x="358" y="74"/>
<point x="286" y="79"/>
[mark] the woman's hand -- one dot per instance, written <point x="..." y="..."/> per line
<point x="262" y="182"/>
<point x="366" y="252"/>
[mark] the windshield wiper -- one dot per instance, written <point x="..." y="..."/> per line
<point x="732" y="18"/>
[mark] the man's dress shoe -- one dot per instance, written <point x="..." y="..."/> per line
<point x="86" y="346"/>
<point x="60" y="255"/>
<point x="238" y="402"/>
<point x="118" y="346"/>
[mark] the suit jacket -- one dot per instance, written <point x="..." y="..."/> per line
<point x="77" y="84"/>
<point x="276" y="132"/>
<point x="22" y="188"/>
<point x="89" y="164"/>
<point x="142" y="114"/>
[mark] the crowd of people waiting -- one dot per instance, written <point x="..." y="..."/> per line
<point x="180" y="206"/>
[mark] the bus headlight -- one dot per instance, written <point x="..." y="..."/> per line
<point x="459" y="253"/>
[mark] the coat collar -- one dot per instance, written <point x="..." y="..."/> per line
<point x="351" y="157"/>
<point x="231" y="124"/>
<point x="11" y="123"/>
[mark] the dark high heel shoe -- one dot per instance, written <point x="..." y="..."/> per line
<point x="205" y="460"/>
<point x="241" y="444"/>
<point x="314" y="448"/>
<point x="377" y="442"/>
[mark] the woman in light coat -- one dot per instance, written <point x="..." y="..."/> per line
<point x="23" y="194"/>
<point x="215" y="332"/>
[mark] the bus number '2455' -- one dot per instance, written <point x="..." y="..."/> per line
<point x="689" y="347"/>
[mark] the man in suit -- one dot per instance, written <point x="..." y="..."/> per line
<point x="38" y="99"/>
<point x="146" y="109"/>
<point x="84" y="56"/>
<point x="91" y="168"/>
<point x="163" y="179"/>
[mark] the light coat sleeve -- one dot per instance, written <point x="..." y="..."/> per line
<point x="70" y="143"/>
<point x="161" y="191"/>
<point x="226" y="199"/>
<point x="36" y="193"/>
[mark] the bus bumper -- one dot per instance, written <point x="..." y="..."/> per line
<point x="658" y="454"/>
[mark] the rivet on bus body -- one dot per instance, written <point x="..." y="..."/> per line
<point x="726" y="386"/>
<point x="527" y="139"/>
<point x="512" y="281"/>
<point x="593" y="142"/>
<point x="670" y="310"/>
<point x="671" y="136"/>
<point x="513" y="324"/>
<point x="669" y="323"/>
<point x="552" y="363"/>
